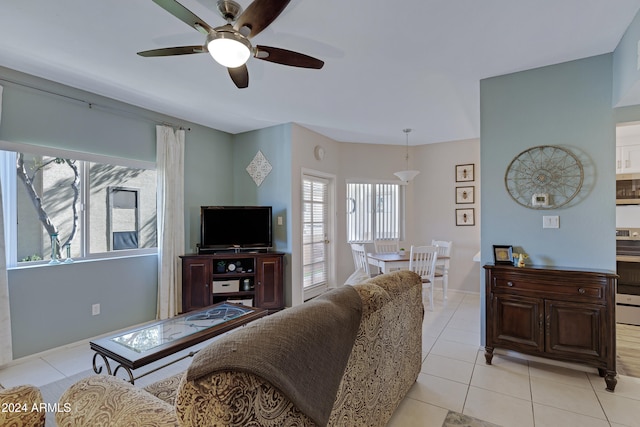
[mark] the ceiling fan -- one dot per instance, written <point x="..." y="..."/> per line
<point x="230" y="44"/>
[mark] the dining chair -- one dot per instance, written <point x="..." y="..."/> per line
<point x="422" y="261"/>
<point x="360" y="259"/>
<point x="442" y="271"/>
<point x="386" y="245"/>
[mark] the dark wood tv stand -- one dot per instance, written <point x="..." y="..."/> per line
<point x="566" y="314"/>
<point x="203" y="274"/>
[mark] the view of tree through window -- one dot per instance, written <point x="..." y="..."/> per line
<point x="89" y="205"/>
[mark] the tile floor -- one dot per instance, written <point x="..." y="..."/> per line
<point x="511" y="392"/>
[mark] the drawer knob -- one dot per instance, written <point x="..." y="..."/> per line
<point x="509" y="284"/>
<point x="582" y="290"/>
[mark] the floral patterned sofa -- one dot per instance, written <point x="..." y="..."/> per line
<point x="20" y="407"/>
<point x="346" y="358"/>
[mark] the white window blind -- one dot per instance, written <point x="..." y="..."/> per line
<point x="315" y="228"/>
<point x="374" y="211"/>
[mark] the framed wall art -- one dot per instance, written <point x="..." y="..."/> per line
<point x="465" y="216"/>
<point x="465" y="194"/>
<point x="502" y="254"/>
<point x="464" y="173"/>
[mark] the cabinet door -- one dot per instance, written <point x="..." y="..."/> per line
<point x="574" y="329"/>
<point x="196" y="279"/>
<point x="631" y="158"/>
<point x="619" y="159"/>
<point x="269" y="283"/>
<point x="518" y="322"/>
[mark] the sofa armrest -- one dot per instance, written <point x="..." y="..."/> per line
<point x="20" y="406"/>
<point x="103" y="400"/>
<point x="236" y="399"/>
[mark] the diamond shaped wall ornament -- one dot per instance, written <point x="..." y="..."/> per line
<point x="259" y="168"/>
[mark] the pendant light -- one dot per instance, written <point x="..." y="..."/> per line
<point x="407" y="175"/>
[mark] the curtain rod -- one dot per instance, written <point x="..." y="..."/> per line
<point x="92" y="105"/>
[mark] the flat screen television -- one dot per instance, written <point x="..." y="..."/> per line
<point x="226" y="227"/>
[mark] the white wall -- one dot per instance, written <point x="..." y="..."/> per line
<point x="435" y="205"/>
<point x="430" y="197"/>
<point x="303" y="144"/>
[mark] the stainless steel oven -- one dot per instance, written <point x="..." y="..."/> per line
<point x="628" y="269"/>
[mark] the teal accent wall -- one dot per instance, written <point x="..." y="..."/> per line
<point x="626" y="76"/>
<point x="51" y="305"/>
<point x="275" y="144"/>
<point x="568" y="105"/>
<point x="48" y="119"/>
<point x="208" y="177"/>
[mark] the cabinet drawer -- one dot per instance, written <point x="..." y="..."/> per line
<point x="550" y="290"/>
<point x="224" y="286"/>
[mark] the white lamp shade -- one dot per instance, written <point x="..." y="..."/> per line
<point x="228" y="52"/>
<point x="407" y="176"/>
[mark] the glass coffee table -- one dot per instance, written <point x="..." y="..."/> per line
<point x="140" y="346"/>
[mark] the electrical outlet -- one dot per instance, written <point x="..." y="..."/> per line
<point x="95" y="309"/>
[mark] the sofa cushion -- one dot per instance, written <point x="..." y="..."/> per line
<point x="104" y="400"/>
<point x="166" y="388"/>
<point x="302" y="351"/>
<point x="22" y="397"/>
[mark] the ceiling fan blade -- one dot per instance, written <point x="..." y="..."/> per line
<point x="184" y="14"/>
<point x="240" y="76"/>
<point x="259" y="15"/>
<point x="170" y="51"/>
<point x="287" y="57"/>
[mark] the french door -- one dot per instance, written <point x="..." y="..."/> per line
<point x="316" y="234"/>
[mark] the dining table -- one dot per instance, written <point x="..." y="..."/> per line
<point x="391" y="261"/>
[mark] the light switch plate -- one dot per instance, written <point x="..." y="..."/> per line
<point x="550" y="221"/>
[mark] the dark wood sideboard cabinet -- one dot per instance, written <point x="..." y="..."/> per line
<point x="204" y="278"/>
<point x="560" y="313"/>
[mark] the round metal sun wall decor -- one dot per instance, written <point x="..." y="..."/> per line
<point x="544" y="177"/>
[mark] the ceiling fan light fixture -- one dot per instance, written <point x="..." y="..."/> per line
<point x="228" y="48"/>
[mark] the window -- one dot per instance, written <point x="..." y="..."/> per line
<point x="314" y="230"/>
<point x="374" y="211"/>
<point x="94" y="206"/>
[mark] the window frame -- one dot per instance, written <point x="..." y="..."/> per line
<point x="401" y="214"/>
<point x="9" y="192"/>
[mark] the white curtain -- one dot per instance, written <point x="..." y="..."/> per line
<point x="170" y="167"/>
<point x="6" y="352"/>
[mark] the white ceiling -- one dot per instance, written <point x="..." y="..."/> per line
<point x="388" y="65"/>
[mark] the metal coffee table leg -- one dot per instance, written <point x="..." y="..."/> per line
<point x="98" y="369"/>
